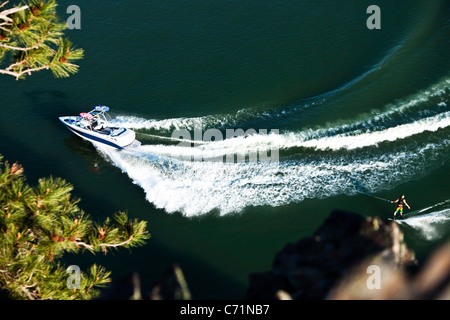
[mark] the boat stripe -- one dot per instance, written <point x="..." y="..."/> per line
<point x="91" y="137"/>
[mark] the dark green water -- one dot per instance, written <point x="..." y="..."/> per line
<point x="354" y="107"/>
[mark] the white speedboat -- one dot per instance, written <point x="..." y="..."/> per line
<point x="94" y="127"/>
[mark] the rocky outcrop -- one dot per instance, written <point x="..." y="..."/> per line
<point x="432" y="282"/>
<point x="350" y="257"/>
<point x="311" y="268"/>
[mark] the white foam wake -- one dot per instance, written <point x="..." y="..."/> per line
<point x="223" y="121"/>
<point x="172" y="124"/>
<point x="354" y="141"/>
<point x="195" y="188"/>
<point x="431" y="226"/>
<point x="319" y="140"/>
<point x="371" y="131"/>
<point x="174" y="184"/>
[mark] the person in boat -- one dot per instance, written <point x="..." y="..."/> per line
<point x="401" y="201"/>
<point x="96" y="125"/>
<point x="93" y="124"/>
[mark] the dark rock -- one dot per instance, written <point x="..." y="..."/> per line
<point x="432" y="281"/>
<point x="311" y="267"/>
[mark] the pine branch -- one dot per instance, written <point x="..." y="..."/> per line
<point x="5" y="24"/>
<point x="39" y="224"/>
<point x="4" y="14"/>
<point x="37" y="45"/>
<point x="28" y="71"/>
<point x="107" y="245"/>
<point x="31" y="38"/>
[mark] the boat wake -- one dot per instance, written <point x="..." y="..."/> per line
<point x="381" y="151"/>
<point x="412" y="108"/>
<point x="196" y="188"/>
<point x="431" y="223"/>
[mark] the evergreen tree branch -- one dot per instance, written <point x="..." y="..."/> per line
<point x="37" y="45"/>
<point x="3" y="26"/>
<point x="28" y="71"/>
<point x="31" y="40"/>
<point x="39" y="224"/>
<point x="4" y="14"/>
<point x="3" y="4"/>
<point x="108" y="245"/>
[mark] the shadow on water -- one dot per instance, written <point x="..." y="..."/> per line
<point x="48" y="103"/>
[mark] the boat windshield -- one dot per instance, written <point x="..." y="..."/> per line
<point x="99" y="113"/>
